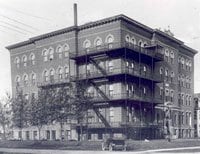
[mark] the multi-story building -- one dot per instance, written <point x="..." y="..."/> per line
<point x="139" y="79"/>
<point x="197" y="115"/>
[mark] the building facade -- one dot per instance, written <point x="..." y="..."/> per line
<point x="196" y="115"/>
<point x="139" y="80"/>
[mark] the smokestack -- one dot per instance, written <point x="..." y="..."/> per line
<point x="75" y="14"/>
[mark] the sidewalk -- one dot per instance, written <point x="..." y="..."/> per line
<point x="37" y="151"/>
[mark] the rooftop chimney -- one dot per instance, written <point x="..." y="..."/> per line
<point x="75" y="14"/>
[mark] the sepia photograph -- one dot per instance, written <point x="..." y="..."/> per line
<point x="108" y="76"/>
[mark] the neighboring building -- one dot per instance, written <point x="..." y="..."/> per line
<point x="137" y="77"/>
<point x="197" y="115"/>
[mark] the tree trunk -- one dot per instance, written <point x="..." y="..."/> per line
<point x="39" y="132"/>
<point x="61" y="130"/>
<point x="4" y="132"/>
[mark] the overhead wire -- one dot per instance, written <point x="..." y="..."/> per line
<point x="19" y="22"/>
<point x="13" y="29"/>
<point x="16" y="27"/>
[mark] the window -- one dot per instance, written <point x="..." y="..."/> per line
<point x="48" y="134"/>
<point x="166" y="94"/>
<point x="161" y="72"/>
<point x="24" y="60"/>
<point x="133" y="40"/>
<point x="86" y="44"/>
<point x="166" y="73"/>
<point x="51" y="72"/>
<point x="145" y="44"/>
<point x="34" y="135"/>
<point x="51" y="52"/>
<point x="172" y="57"/>
<point x="27" y="135"/>
<point x="20" y="134"/>
<point x="59" y="51"/>
<point x="45" y="54"/>
<point x="66" y="72"/>
<point x="25" y="80"/>
<point x="60" y="73"/>
<point x="111" y="115"/>
<point x="45" y="75"/>
<point x="66" y="50"/>
<point x="26" y="96"/>
<point x="17" y="80"/>
<point x="100" y="136"/>
<point x="110" y="66"/>
<point x="186" y="100"/>
<point x="98" y="42"/>
<point x="190" y="100"/>
<point x="140" y="43"/>
<point x="127" y="38"/>
<point x="171" y="95"/>
<point x="166" y="55"/>
<point x="109" y="40"/>
<point x="172" y="76"/>
<point x="161" y="92"/>
<point x="182" y="62"/>
<point x="33" y="78"/>
<point x="111" y="90"/>
<point x="32" y="59"/>
<point x="53" y="135"/>
<point x="17" y="62"/>
<point x="144" y="90"/>
<point x="68" y="134"/>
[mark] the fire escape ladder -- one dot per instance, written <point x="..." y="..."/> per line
<point x="101" y="117"/>
<point x="99" y="91"/>
<point x="95" y="62"/>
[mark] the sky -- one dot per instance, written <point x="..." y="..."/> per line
<point x="23" y="19"/>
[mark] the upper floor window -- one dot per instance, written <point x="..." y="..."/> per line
<point x="51" y="54"/>
<point x="109" y="40"/>
<point x="172" y="56"/>
<point x="172" y="76"/>
<point x="190" y="65"/>
<point x="110" y="66"/>
<point x="17" y="61"/>
<point x="33" y="78"/>
<point x="45" y="76"/>
<point x="59" y="51"/>
<point x="86" y="44"/>
<point x="51" y="73"/>
<point x="140" y="43"/>
<point x="32" y="59"/>
<point x="127" y="38"/>
<point x="182" y="62"/>
<point x="111" y="90"/>
<point x="98" y="42"/>
<point x="45" y="54"/>
<point x="17" y="80"/>
<point x="66" y="72"/>
<point x="66" y="50"/>
<point x="145" y="44"/>
<point x="133" y="40"/>
<point x="166" y="54"/>
<point x="24" y="60"/>
<point x="60" y="73"/>
<point x="25" y="78"/>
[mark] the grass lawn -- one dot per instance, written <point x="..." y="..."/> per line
<point x="96" y="145"/>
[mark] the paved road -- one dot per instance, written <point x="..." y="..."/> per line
<point x="157" y="151"/>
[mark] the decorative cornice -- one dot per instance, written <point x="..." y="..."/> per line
<point x="98" y="23"/>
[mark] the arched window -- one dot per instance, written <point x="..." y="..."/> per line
<point x="98" y="42"/>
<point x="172" y="76"/>
<point x="51" y="73"/>
<point x="145" y="44"/>
<point x="172" y="56"/>
<point x="51" y="54"/>
<point x="60" y="73"/>
<point x="17" y="61"/>
<point x="32" y="58"/>
<point x="127" y="38"/>
<point x="66" y="50"/>
<point x="140" y="43"/>
<point x="182" y="62"/>
<point x="33" y="78"/>
<point x="45" y="54"/>
<point x="24" y="60"/>
<point x="133" y="40"/>
<point x="166" y="55"/>
<point x="59" y="51"/>
<point x="110" y="40"/>
<point x="86" y="44"/>
<point x="17" y="80"/>
<point x="66" y="72"/>
<point x="166" y="74"/>
<point x="161" y="72"/>
<point x="45" y="76"/>
<point x="25" y="78"/>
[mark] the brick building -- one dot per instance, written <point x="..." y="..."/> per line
<point x="197" y="115"/>
<point x="139" y="79"/>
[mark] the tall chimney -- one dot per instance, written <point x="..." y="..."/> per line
<point x="75" y="14"/>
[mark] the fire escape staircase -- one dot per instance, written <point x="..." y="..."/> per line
<point x="95" y="60"/>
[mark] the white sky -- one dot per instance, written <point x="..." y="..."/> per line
<point x="34" y="17"/>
